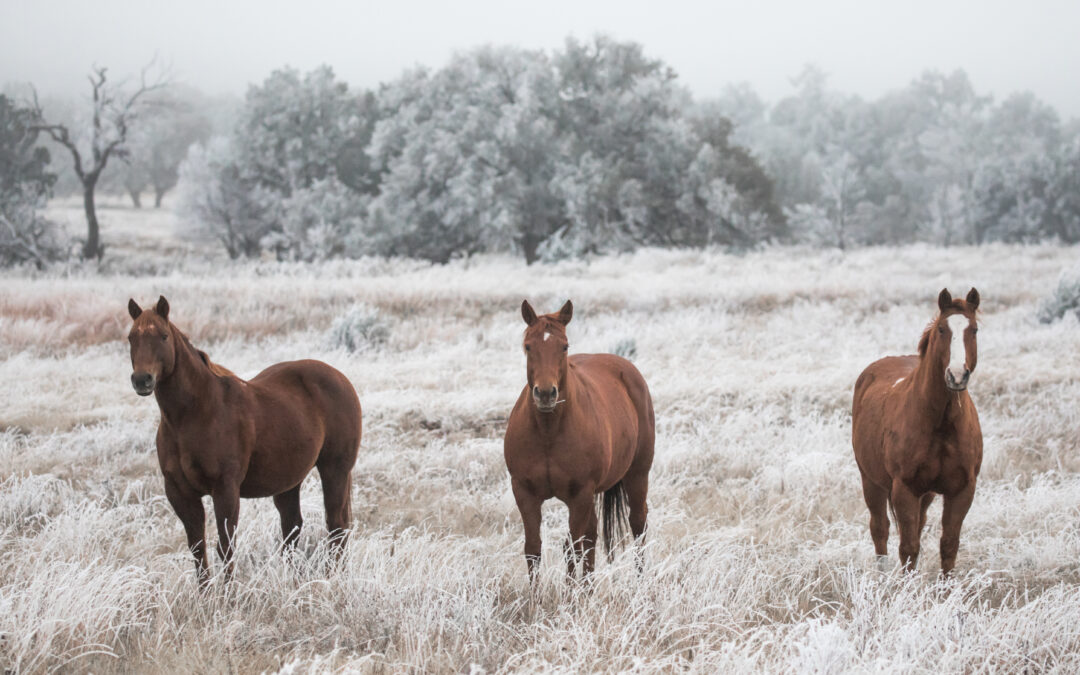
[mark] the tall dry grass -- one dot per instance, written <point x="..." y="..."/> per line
<point x="759" y="556"/>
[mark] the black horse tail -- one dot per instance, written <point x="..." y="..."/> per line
<point x="614" y="517"/>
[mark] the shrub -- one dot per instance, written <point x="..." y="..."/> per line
<point x="1064" y="299"/>
<point x="359" y="329"/>
<point x="626" y="348"/>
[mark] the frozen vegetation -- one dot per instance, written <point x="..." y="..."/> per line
<point x="759" y="555"/>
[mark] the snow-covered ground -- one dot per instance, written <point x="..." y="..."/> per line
<point x="759" y="555"/>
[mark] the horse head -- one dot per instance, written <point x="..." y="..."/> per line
<point x="546" y="348"/>
<point x="950" y="339"/>
<point x="153" y="352"/>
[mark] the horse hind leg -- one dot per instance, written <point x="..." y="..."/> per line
<point x="583" y="526"/>
<point x="335" y="464"/>
<point x="637" y="490"/>
<point x="337" y="500"/>
<point x="288" y="506"/>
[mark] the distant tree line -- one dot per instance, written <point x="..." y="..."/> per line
<point x="933" y="162"/>
<point x="591" y="149"/>
<point x="588" y="149"/>
<point x="595" y="148"/>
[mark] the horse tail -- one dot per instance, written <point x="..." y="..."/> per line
<point x="614" y="516"/>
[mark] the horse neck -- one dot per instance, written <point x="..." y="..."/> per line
<point x="189" y="383"/>
<point x="933" y="397"/>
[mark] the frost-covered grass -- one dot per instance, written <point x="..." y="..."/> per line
<point x="759" y="555"/>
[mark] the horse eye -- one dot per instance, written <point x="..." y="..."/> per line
<point x="974" y="330"/>
<point x="526" y="347"/>
<point x="566" y="348"/>
<point x="165" y="336"/>
<point x="941" y="330"/>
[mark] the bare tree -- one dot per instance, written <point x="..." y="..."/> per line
<point x="114" y="111"/>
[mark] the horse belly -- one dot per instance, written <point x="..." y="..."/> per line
<point x="281" y="462"/>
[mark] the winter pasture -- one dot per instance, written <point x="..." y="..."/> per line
<point x="758" y="557"/>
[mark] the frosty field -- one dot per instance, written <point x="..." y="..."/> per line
<point x="759" y="555"/>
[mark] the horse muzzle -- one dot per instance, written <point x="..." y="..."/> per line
<point x="546" y="399"/>
<point x="143" y="383"/>
<point x="957" y="383"/>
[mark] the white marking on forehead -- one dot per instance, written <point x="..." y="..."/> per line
<point x="546" y="336"/>
<point x="958" y="323"/>
<point x="897" y="382"/>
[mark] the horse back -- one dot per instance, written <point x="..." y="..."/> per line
<point x="314" y="387"/>
<point x="608" y="378"/>
<point x="612" y="389"/>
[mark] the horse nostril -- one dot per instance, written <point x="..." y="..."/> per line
<point x="554" y="392"/>
<point x="536" y="391"/>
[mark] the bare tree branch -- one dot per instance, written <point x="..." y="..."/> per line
<point x="113" y="114"/>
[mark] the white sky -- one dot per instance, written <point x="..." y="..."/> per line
<point x="866" y="47"/>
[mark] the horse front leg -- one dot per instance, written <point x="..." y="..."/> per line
<point x="189" y="508"/>
<point x="908" y="509"/>
<point x="529" y="506"/>
<point x="227" y="512"/>
<point x="953" y="512"/>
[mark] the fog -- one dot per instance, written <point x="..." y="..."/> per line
<point x="865" y="48"/>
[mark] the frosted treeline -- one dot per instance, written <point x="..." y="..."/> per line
<point x="597" y="148"/>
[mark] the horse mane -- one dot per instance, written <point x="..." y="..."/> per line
<point x="924" y="341"/>
<point x="214" y="368"/>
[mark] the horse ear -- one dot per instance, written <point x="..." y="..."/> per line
<point x="566" y="313"/>
<point x="944" y="299"/>
<point x="528" y="313"/>
<point x="133" y="308"/>
<point x="162" y="308"/>
<point x="973" y="299"/>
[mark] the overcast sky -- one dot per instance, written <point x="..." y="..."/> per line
<point x="866" y="47"/>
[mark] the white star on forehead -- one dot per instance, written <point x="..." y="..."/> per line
<point x="546" y="336"/>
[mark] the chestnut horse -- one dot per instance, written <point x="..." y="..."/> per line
<point x="916" y="433"/>
<point x="227" y="438"/>
<point x="582" y="427"/>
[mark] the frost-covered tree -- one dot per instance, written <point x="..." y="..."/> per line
<point x="25" y="183"/>
<point x="173" y="124"/>
<point x="466" y="156"/>
<point x="291" y="177"/>
<point x="220" y="201"/>
<point x="293" y="127"/>
<point x="586" y="150"/>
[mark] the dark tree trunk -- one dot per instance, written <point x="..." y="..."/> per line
<point x="92" y="248"/>
<point x="530" y="244"/>
<point x="136" y="198"/>
<point x="158" y="194"/>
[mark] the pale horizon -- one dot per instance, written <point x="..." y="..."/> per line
<point x="867" y="50"/>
